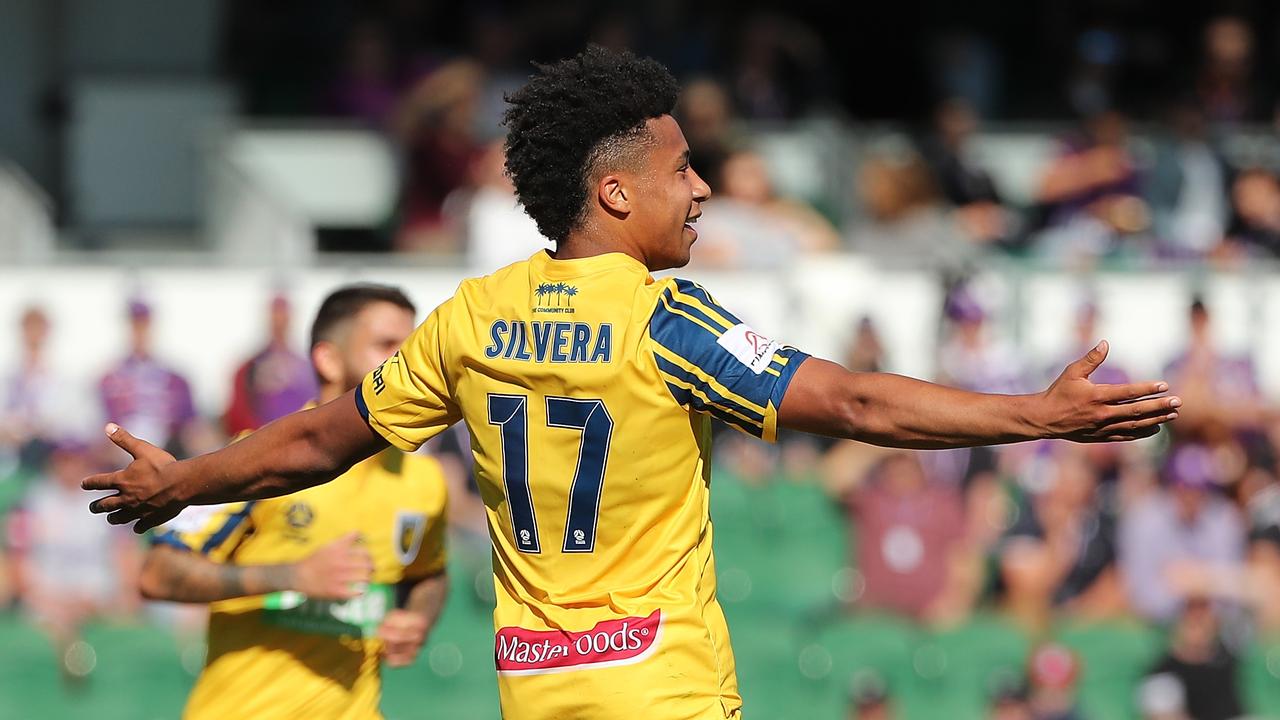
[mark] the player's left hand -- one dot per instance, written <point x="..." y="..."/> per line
<point x="403" y="633"/>
<point x="139" y="488"/>
<point x="1077" y="409"/>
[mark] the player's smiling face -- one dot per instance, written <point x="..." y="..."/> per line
<point x="672" y="197"/>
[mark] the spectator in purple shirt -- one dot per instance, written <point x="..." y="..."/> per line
<point x="1095" y="174"/>
<point x="1221" y="389"/>
<point x="1183" y="530"/>
<point x="272" y="383"/>
<point x="143" y="393"/>
<point x="1086" y="336"/>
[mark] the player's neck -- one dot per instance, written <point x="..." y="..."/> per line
<point x="589" y="242"/>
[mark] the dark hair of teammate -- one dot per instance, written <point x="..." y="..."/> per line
<point x="574" y="120"/>
<point x="346" y="302"/>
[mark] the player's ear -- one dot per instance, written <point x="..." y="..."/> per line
<point x="327" y="361"/>
<point x="614" y="194"/>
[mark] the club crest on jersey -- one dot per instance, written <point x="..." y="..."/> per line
<point x="410" y="527"/>
<point x="563" y="294"/>
<point x="299" y="515"/>
<point x="749" y="347"/>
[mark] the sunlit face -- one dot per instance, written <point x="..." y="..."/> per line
<point x="374" y="335"/>
<point x="279" y="319"/>
<point x="745" y="177"/>
<point x="670" y="197"/>
<point x="35" y="329"/>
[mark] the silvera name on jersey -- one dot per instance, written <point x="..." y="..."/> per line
<point x="550" y="341"/>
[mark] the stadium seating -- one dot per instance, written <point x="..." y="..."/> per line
<point x="782" y="557"/>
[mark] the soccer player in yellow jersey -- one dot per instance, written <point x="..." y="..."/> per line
<point x="588" y="387"/>
<point x="311" y="590"/>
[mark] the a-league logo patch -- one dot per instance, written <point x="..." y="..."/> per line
<point x="409" y="530"/>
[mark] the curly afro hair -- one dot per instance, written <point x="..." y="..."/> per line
<point x="574" y="119"/>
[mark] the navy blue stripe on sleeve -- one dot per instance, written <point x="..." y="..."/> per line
<point x="685" y="397"/>
<point x="360" y="403"/>
<point x="697" y="312"/>
<point x="795" y="359"/>
<point x="698" y="347"/>
<point x="227" y="528"/>
<point x="169" y="538"/>
<point x="715" y="398"/>
<point x="695" y="290"/>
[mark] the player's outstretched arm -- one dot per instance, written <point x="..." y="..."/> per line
<point x="896" y="411"/>
<point x="295" y="452"/>
<point x="337" y="571"/>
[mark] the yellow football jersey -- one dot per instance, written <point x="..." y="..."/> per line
<point x="283" y="655"/>
<point x="587" y="386"/>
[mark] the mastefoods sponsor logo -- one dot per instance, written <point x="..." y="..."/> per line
<point x="609" y="643"/>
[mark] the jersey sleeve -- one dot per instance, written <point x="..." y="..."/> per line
<point x="211" y="530"/>
<point x="713" y="363"/>
<point x="407" y="399"/>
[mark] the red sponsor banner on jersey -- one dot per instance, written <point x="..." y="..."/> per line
<point x="611" y="642"/>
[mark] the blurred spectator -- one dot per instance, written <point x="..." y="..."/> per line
<point x="1180" y="536"/>
<point x="1226" y="86"/>
<point x="865" y="351"/>
<point x="497" y="41"/>
<point x="869" y="698"/>
<point x="1255" y="213"/>
<point x="1260" y="493"/>
<point x="274" y="382"/>
<point x="970" y="356"/>
<point x="1163" y="697"/>
<point x="71" y="567"/>
<point x="909" y="533"/>
<point x="1059" y="554"/>
<point x="749" y="226"/>
<point x="1085" y="337"/>
<point x="964" y="183"/>
<point x="366" y="87"/>
<point x="966" y="66"/>
<point x="779" y="70"/>
<point x="1219" y="392"/>
<point x="146" y="397"/>
<point x="706" y="117"/>
<point x="906" y="220"/>
<point x="1010" y="700"/>
<point x="1187" y="185"/>
<point x="1091" y="192"/>
<point x="436" y="126"/>
<point x="1099" y="51"/>
<point x="31" y="413"/>
<point x="1053" y="672"/>
<point x="1201" y="664"/>
<point x="497" y="229"/>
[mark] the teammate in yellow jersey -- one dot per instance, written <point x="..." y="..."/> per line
<point x="311" y="590"/>
<point x="587" y="386"/>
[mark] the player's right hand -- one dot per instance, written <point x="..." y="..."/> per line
<point x="141" y="493"/>
<point x="340" y="570"/>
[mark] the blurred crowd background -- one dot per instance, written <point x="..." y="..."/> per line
<point x="958" y="164"/>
